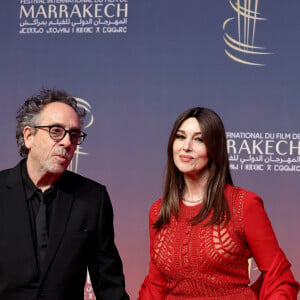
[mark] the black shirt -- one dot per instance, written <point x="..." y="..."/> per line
<point x="33" y="201"/>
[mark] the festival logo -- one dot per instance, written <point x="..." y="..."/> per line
<point x="73" y="166"/>
<point x="240" y="32"/>
<point x="73" y="17"/>
<point x="264" y="151"/>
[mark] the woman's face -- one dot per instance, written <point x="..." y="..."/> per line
<point x="190" y="154"/>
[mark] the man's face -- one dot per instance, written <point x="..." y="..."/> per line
<point x="46" y="155"/>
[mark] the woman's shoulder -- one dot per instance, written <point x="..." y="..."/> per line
<point x="237" y="194"/>
<point x="244" y="204"/>
<point x="155" y="208"/>
<point x="154" y="212"/>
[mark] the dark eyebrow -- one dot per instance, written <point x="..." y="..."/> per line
<point x="196" y="133"/>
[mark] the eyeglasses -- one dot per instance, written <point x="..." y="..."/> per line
<point x="57" y="133"/>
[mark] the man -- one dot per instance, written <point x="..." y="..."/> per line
<point x="54" y="224"/>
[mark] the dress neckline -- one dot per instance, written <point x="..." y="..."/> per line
<point x="189" y="211"/>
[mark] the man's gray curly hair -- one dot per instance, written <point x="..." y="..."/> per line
<point x="28" y="113"/>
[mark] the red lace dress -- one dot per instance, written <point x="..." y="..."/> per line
<point x="210" y="262"/>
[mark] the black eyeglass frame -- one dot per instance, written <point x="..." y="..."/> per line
<point x="80" y="138"/>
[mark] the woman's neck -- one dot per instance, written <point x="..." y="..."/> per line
<point x="195" y="190"/>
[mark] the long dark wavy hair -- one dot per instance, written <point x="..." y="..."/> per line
<point x="214" y="137"/>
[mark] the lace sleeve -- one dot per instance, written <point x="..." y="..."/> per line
<point x="277" y="281"/>
<point x="154" y="285"/>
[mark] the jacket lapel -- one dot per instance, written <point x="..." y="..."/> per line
<point x="14" y="204"/>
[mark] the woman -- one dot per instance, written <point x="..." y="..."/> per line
<point x="204" y="230"/>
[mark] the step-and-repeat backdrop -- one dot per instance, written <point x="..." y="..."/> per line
<point x="135" y="65"/>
